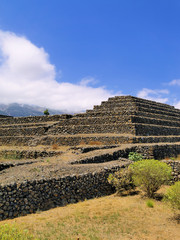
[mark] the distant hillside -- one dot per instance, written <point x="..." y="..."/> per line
<point x="23" y="110"/>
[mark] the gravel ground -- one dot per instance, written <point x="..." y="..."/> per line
<point x="40" y="170"/>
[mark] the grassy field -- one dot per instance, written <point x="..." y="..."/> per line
<point x="107" y="218"/>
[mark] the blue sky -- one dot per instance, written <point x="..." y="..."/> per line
<point x="87" y="50"/>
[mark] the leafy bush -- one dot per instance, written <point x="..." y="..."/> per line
<point x="10" y="232"/>
<point x="150" y="203"/>
<point x="46" y="112"/>
<point x="134" y="156"/>
<point x="122" y="180"/>
<point x="150" y="175"/>
<point x="172" y="196"/>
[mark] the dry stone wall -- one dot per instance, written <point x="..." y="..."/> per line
<point x="158" y="152"/>
<point x="175" y="165"/>
<point x="30" y="196"/>
<point x="75" y="140"/>
<point x="34" y="119"/>
<point x="28" y="154"/>
<point x="155" y="130"/>
<point x="95" y="128"/>
<point x="23" y="131"/>
<point x="137" y="100"/>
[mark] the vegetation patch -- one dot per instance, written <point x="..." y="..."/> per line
<point x="122" y="181"/>
<point x="150" y="203"/>
<point x="172" y="196"/>
<point x="134" y="156"/>
<point x="11" y="232"/>
<point x="150" y="175"/>
<point x="13" y="155"/>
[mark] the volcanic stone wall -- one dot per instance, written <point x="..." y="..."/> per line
<point x="28" y="154"/>
<point x="34" y="119"/>
<point x="175" y="165"/>
<point x="158" y="152"/>
<point x="30" y="196"/>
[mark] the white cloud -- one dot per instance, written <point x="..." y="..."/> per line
<point x="154" y="95"/>
<point x="175" y="82"/>
<point x="87" y="81"/>
<point x="177" y="105"/>
<point x="27" y="76"/>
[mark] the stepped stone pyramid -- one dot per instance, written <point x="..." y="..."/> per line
<point x="121" y="119"/>
<point x="127" y="115"/>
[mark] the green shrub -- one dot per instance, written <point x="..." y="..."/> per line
<point x="172" y="196"/>
<point x="150" y="175"/>
<point x="134" y="156"/>
<point x="122" y="180"/>
<point x="150" y="203"/>
<point x="10" y="232"/>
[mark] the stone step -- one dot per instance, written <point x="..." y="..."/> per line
<point x="124" y="110"/>
<point x="95" y="120"/>
<point x="155" y="130"/>
<point x="127" y="128"/>
<point x="69" y="129"/>
<point x="135" y="107"/>
<point x="84" y="139"/>
<point x="64" y="140"/>
<point x="155" y="139"/>
<point x="101" y="114"/>
<point x="174" y="112"/>
<point x="118" y="119"/>
<point x="109" y="106"/>
<point x="35" y="119"/>
<point x="157" y="116"/>
<point x="137" y="100"/>
<point x="23" y="131"/>
<point x="21" y="126"/>
<point x="152" y="121"/>
<point x="129" y="105"/>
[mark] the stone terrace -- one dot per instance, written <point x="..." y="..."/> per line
<point x="120" y="120"/>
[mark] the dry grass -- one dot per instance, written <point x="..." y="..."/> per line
<point x="92" y="143"/>
<point x="55" y="146"/>
<point x="173" y="158"/>
<point x="107" y="218"/>
<point x="13" y="156"/>
<point x="178" y="157"/>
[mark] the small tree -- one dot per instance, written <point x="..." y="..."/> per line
<point x="122" y="180"/>
<point x="46" y="112"/>
<point x="134" y="156"/>
<point x="150" y="175"/>
<point x="172" y="196"/>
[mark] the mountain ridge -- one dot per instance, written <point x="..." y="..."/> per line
<point x="25" y="110"/>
